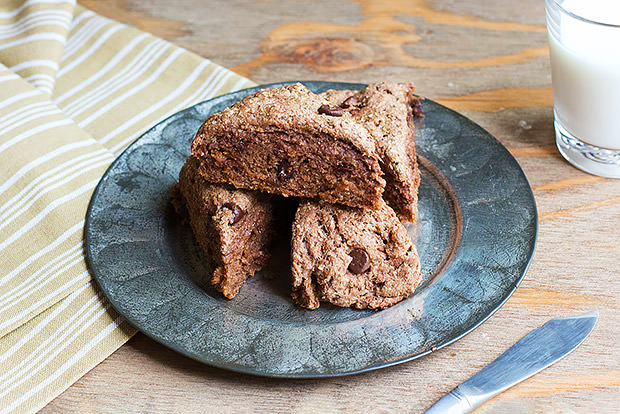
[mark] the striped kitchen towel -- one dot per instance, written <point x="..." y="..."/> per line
<point x="75" y="90"/>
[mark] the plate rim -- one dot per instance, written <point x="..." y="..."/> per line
<point x="253" y="371"/>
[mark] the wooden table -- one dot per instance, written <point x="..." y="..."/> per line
<point x="485" y="58"/>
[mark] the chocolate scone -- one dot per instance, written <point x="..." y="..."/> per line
<point x="351" y="257"/>
<point x="386" y="110"/>
<point x="232" y="226"/>
<point x="292" y="142"/>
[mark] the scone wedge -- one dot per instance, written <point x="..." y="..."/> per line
<point x="387" y="111"/>
<point x="292" y="142"/>
<point x="351" y="257"/>
<point x="233" y="227"/>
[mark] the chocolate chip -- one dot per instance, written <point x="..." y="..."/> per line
<point x="238" y="212"/>
<point x="360" y="261"/>
<point x="344" y="167"/>
<point x="416" y="107"/>
<point x="284" y="171"/>
<point x="330" y="110"/>
<point x="351" y="101"/>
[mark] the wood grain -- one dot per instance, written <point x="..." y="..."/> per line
<point x="499" y="99"/>
<point x="588" y="207"/>
<point x="485" y="58"/>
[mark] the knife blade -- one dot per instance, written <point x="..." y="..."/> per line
<point x="533" y="353"/>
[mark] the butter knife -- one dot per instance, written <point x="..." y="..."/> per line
<point x="533" y="353"/>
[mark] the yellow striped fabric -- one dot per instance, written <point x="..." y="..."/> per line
<point x="75" y="90"/>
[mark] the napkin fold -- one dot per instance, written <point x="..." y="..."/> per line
<point x="75" y="89"/>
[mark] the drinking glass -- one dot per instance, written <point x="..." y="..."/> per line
<point x="584" y="40"/>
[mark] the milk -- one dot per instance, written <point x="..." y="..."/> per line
<point x="585" y="65"/>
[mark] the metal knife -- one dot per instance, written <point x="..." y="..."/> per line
<point x="533" y="353"/>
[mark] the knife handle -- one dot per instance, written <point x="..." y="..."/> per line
<point x="451" y="403"/>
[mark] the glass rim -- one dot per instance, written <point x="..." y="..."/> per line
<point x="583" y="19"/>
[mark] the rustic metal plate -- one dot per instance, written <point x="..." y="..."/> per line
<point x="476" y="235"/>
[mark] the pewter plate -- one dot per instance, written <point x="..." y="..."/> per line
<point x="475" y="235"/>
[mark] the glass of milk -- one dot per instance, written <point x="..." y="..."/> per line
<point x="584" y="38"/>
